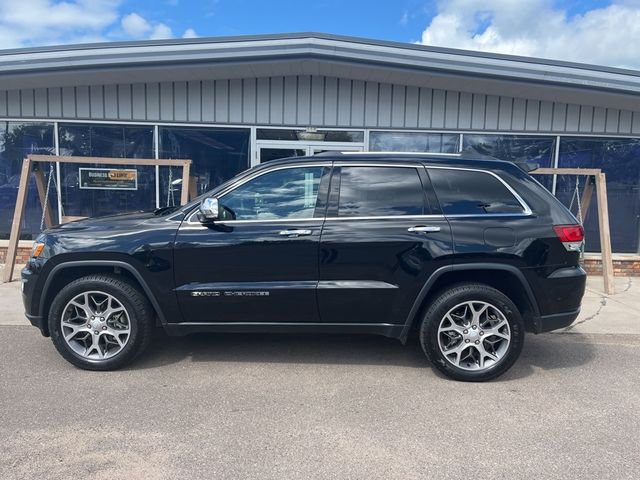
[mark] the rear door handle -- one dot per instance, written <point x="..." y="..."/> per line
<point x="423" y="229"/>
<point x="295" y="233"/>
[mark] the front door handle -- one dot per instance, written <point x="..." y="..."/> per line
<point x="295" y="233"/>
<point x="423" y="229"/>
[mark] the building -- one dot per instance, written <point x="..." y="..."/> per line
<point x="229" y="103"/>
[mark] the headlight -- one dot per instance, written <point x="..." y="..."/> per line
<point x="37" y="249"/>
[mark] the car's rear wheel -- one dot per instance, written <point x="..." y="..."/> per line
<point x="100" y="322"/>
<point x="472" y="332"/>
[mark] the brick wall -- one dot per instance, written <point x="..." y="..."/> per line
<point x="622" y="267"/>
<point x="21" y="258"/>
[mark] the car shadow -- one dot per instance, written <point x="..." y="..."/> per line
<point x="546" y="352"/>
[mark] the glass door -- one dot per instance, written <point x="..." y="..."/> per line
<point x="267" y="153"/>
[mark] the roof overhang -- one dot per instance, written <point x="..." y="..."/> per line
<point x="319" y="54"/>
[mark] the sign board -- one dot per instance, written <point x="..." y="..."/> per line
<point x="108" y="179"/>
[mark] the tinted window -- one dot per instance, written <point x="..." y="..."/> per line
<point x="462" y="192"/>
<point x="380" y="191"/>
<point x="287" y="193"/>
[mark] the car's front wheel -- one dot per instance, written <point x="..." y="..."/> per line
<point x="472" y="332"/>
<point x="100" y="322"/>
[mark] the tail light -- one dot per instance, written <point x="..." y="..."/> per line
<point x="571" y="236"/>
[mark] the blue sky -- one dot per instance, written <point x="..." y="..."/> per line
<point x="592" y="31"/>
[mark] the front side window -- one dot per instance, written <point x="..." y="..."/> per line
<point x="281" y="194"/>
<point x="463" y="192"/>
<point x="380" y="191"/>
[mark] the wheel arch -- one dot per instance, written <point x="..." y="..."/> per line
<point x="78" y="268"/>
<point x="519" y="290"/>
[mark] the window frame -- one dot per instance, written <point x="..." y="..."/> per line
<point x="334" y="192"/>
<point x="526" y="210"/>
<point x="322" y="190"/>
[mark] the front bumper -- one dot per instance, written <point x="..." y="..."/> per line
<point x="29" y="276"/>
<point x="547" y="323"/>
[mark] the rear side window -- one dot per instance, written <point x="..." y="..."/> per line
<point x="463" y="192"/>
<point x="380" y="191"/>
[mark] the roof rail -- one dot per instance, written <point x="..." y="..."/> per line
<point x="435" y="154"/>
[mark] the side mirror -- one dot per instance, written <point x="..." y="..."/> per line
<point x="209" y="210"/>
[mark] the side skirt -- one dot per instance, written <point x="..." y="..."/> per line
<point x="384" y="329"/>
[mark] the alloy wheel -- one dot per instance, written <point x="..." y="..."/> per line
<point x="95" y="325"/>
<point x="474" y="335"/>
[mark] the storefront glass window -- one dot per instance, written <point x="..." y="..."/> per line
<point x="18" y="139"/>
<point x="620" y="160"/>
<point x="513" y="148"/>
<point x="217" y="154"/>
<point x="105" y="141"/>
<point x="414" y="142"/>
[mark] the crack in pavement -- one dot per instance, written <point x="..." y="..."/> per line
<point x="603" y="303"/>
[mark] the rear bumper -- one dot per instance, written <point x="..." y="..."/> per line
<point x="547" y="323"/>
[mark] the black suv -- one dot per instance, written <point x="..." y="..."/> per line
<point x="467" y="253"/>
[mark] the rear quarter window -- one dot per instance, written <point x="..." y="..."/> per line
<point x="472" y="192"/>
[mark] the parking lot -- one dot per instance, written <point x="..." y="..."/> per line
<point x="232" y="406"/>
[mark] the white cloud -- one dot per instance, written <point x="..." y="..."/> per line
<point x="49" y="22"/>
<point x="189" y="33"/>
<point x="135" y="25"/>
<point x="607" y="35"/>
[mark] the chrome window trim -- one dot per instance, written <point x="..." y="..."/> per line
<point x="526" y="209"/>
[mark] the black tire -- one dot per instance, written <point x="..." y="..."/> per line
<point x="138" y="309"/>
<point x="447" y="300"/>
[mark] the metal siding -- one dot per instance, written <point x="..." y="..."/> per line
<point x="317" y="100"/>
<point x="111" y="101"/>
<point x="304" y="100"/>
<point x="371" y="104"/>
<point x="518" y="116"/>
<point x="138" y="101"/>
<point x="384" y="104"/>
<point x="345" y="102"/>
<point x="438" y="104"/>
<point x="276" y="101"/>
<point x="153" y="101"/>
<point x="208" y="101"/>
<point x="222" y="101"/>
<point x="613" y="118"/>
<point x="194" y="101"/>
<point x="479" y="110"/>
<point x="166" y="101"/>
<point x="398" y="105"/>
<point x="505" y="113"/>
<point x="491" y="112"/>
<point x="3" y="103"/>
<point x="465" y="110"/>
<point x="411" y="112"/>
<point x="625" y="121"/>
<point x="546" y="116"/>
<point x="249" y="100"/>
<point x="235" y="101"/>
<point x="573" y="118"/>
<point x="331" y="101"/>
<point x="41" y="106"/>
<point x="96" y="101"/>
<point x="180" y="113"/>
<point x="452" y="102"/>
<point x="532" y="116"/>
<point x="262" y="101"/>
<point x="13" y="103"/>
<point x="82" y="102"/>
<point x="357" y="103"/>
<point x="27" y="105"/>
<point x="599" y="119"/>
<point x="125" y="108"/>
<point x="586" y="119"/>
<point x="559" y="116"/>
<point x="55" y="102"/>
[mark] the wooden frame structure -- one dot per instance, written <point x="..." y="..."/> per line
<point x="27" y="167"/>
<point x="600" y="182"/>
